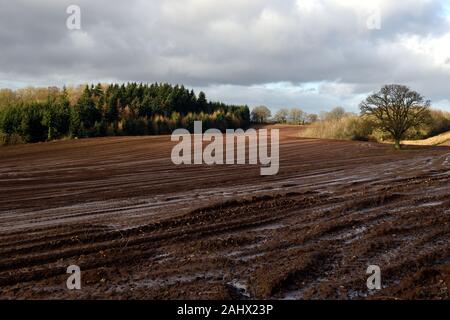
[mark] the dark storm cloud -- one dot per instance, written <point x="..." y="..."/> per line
<point x="230" y="44"/>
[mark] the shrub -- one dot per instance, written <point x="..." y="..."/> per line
<point x="133" y="126"/>
<point x="10" y="139"/>
<point x="438" y="123"/>
<point x="350" y="127"/>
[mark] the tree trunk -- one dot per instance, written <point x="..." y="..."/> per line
<point x="397" y="144"/>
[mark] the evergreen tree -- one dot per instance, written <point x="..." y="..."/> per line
<point x="202" y="103"/>
<point x="51" y="113"/>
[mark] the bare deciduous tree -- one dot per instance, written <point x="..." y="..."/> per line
<point x="335" y="114"/>
<point x="281" y="116"/>
<point x="260" y="114"/>
<point x="396" y="109"/>
<point x="312" y="118"/>
<point x="296" y="116"/>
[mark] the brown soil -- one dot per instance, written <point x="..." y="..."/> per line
<point x="141" y="227"/>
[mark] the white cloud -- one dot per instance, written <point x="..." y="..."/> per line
<point x="437" y="49"/>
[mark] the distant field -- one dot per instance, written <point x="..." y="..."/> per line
<point x="443" y="139"/>
<point x="141" y="227"/>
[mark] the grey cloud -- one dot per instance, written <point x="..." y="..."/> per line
<point x="224" y="44"/>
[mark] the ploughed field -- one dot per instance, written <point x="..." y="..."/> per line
<point x="140" y="227"/>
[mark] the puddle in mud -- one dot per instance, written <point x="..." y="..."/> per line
<point x="272" y="226"/>
<point x="239" y="288"/>
<point x="292" y="295"/>
<point x="431" y="204"/>
<point x="243" y="250"/>
<point x="250" y="257"/>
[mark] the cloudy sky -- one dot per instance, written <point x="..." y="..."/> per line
<point x="305" y="53"/>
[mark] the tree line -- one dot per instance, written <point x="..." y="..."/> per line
<point x="38" y="114"/>
<point x="296" y="116"/>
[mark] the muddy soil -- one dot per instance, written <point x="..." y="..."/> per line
<point x="140" y="227"/>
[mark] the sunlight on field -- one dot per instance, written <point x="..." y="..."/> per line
<point x="433" y="141"/>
